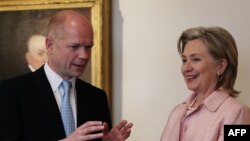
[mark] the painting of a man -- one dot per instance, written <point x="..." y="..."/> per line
<point x="36" y="54"/>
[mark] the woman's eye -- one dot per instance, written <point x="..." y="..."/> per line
<point x="184" y="60"/>
<point x="196" y="59"/>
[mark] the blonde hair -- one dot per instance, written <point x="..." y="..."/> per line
<point x="221" y="45"/>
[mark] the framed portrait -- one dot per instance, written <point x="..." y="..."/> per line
<point x="22" y="19"/>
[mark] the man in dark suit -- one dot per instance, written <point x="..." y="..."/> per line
<point x="30" y="104"/>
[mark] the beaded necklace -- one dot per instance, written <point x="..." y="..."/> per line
<point x="191" y="105"/>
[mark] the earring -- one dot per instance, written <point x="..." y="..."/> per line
<point x="218" y="73"/>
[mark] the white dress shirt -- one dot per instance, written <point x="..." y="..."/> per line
<point x="55" y="81"/>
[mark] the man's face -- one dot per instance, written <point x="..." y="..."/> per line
<point x="70" y="53"/>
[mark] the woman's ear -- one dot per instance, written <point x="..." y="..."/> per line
<point x="222" y="65"/>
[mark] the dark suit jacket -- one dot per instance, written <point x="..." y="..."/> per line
<point x="29" y="111"/>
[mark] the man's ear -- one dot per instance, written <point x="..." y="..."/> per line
<point x="222" y="65"/>
<point x="49" y="43"/>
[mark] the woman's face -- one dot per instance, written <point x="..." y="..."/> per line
<point x="199" y="68"/>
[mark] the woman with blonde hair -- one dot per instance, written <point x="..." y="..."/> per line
<point x="209" y="68"/>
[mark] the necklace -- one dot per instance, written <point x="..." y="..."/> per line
<point x="191" y="105"/>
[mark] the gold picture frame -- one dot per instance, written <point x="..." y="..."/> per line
<point x="100" y="19"/>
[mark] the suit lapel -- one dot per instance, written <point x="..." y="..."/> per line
<point x="46" y="102"/>
<point x="86" y="110"/>
<point x="81" y="103"/>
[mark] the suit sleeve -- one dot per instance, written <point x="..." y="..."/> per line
<point x="10" y="124"/>
<point x="243" y="116"/>
<point x="239" y="116"/>
<point x="107" y="110"/>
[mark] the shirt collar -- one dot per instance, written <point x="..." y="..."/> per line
<point x="55" y="79"/>
<point x="213" y="101"/>
<point x="31" y="68"/>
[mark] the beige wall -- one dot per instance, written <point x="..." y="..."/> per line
<point x="147" y="82"/>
